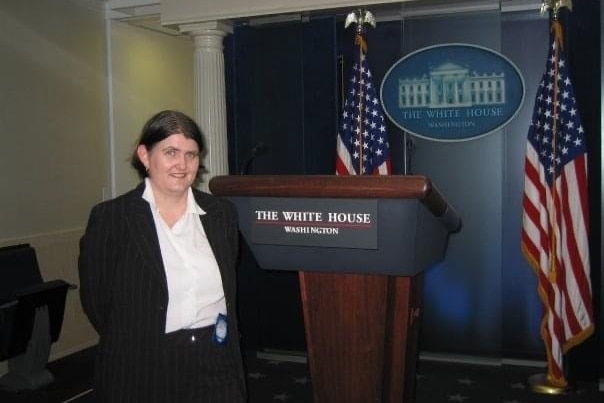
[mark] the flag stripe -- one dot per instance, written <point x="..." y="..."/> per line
<point x="343" y="160"/>
<point x="555" y="212"/>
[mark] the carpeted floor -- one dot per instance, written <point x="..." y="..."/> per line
<point x="278" y="381"/>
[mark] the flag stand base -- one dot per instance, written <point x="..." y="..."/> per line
<point x="540" y="384"/>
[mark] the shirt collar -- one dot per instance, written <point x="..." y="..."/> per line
<point x="192" y="206"/>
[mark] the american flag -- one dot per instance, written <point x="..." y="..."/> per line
<point x="362" y="145"/>
<point x="555" y="220"/>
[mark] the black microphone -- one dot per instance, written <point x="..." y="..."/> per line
<point x="258" y="149"/>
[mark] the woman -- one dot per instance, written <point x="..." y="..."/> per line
<point x="157" y="279"/>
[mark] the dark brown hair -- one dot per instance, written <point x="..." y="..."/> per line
<point x="161" y="126"/>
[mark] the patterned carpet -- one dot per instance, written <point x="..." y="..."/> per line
<point x="272" y="381"/>
<point x="448" y="382"/>
<point x="437" y="381"/>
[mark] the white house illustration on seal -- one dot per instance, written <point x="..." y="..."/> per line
<point x="451" y="86"/>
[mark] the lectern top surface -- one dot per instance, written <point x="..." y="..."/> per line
<point x="332" y="186"/>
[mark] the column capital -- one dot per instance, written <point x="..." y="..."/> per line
<point x="207" y="28"/>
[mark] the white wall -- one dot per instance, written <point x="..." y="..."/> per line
<point x="60" y="149"/>
<point x="53" y="161"/>
<point x="53" y="153"/>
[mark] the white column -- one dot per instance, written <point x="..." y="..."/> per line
<point x="210" y="96"/>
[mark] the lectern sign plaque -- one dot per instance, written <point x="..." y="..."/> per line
<point x="339" y="223"/>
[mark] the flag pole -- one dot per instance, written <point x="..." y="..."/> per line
<point x="362" y="146"/>
<point x="547" y="383"/>
<point x="360" y="17"/>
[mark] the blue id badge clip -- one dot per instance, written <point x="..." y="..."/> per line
<point x="220" y="329"/>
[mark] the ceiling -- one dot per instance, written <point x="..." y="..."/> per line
<point x="148" y="17"/>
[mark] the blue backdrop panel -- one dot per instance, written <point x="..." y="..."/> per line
<point x="522" y="309"/>
<point x="320" y="98"/>
<point x="284" y="83"/>
<point x="281" y="95"/>
<point x="463" y="295"/>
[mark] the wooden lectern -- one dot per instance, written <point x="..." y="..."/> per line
<point x="360" y="244"/>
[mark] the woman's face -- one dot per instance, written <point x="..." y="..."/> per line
<point x="172" y="164"/>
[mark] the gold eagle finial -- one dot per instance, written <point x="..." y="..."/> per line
<point x="555" y="6"/>
<point x="360" y="17"/>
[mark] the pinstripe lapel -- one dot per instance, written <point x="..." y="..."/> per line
<point x="210" y="222"/>
<point x="145" y="234"/>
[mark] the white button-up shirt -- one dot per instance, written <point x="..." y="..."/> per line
<point x="196" y="295"/>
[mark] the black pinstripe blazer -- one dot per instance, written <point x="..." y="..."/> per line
<point x="124" y="292"/>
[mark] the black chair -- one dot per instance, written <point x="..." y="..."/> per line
<point x="31" y="317"/>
